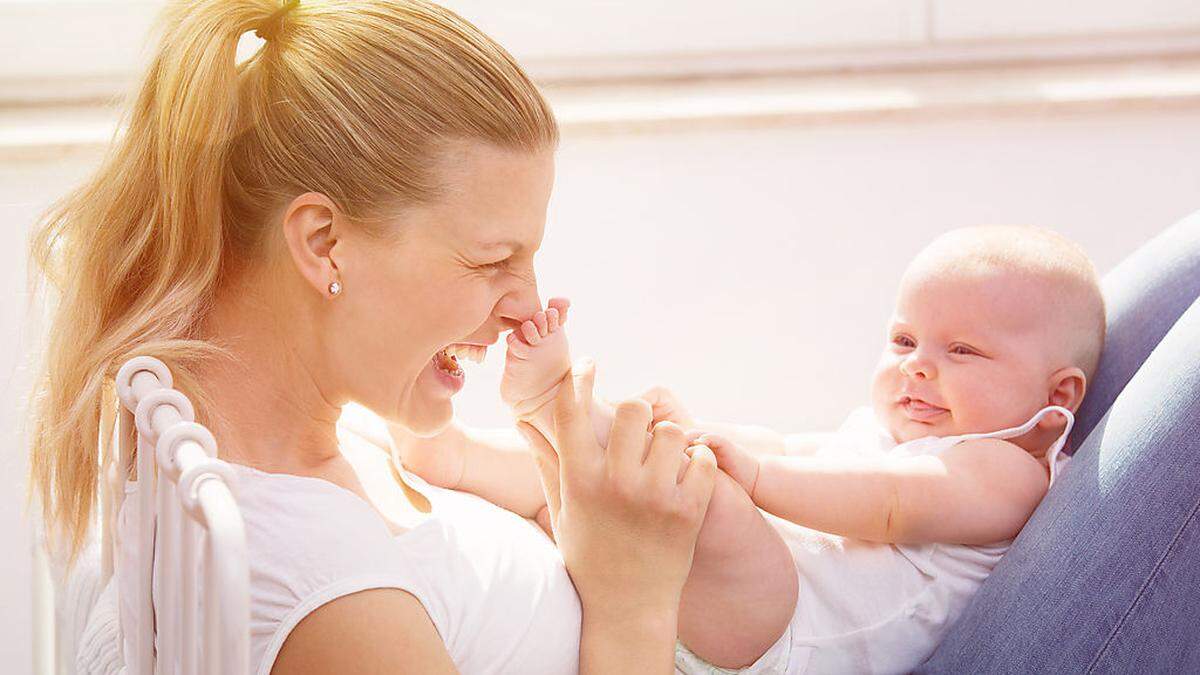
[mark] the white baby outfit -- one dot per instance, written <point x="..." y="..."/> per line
<point x="492" y="583"/>
<point x="867" y="607"/>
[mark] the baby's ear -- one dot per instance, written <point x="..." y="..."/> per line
<point x="1067" y="386"/>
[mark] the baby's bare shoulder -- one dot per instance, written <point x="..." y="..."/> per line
<point x="995" y="460"/>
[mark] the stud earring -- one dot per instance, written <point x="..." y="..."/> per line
<point x="335" y="287"/>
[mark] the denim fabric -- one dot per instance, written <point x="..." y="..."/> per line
<point x="1144" y="296"/>
<point x="1105" y="577"/>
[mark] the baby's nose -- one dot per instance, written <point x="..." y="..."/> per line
<point x="916" y="367"/>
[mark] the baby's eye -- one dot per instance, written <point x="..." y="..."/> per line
<point x="961" y="349"/>
<point x="903" y="341"/>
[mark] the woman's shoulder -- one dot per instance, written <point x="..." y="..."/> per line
<point x="307" y="521"/>
<point x="310" y="542"/>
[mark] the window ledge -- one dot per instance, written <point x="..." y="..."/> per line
<point x="49" y="133"/>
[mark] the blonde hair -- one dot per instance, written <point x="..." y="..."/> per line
<point x="1068" y="275"/>
<point x="353" y="99"/>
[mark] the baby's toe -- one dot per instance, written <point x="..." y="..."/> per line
<point x="516" y="346"/>
<point x="542" y="323"/>
<point x="561" y="304"/>
<point x="552" y="320"/>
<point x="530" y="332"/>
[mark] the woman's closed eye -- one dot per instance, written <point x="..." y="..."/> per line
<point x="493" y="266"/>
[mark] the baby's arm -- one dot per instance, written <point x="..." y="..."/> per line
<point x="494" y="464"/>
<point x="755" y="439"/>
<point x="976" y="492"/>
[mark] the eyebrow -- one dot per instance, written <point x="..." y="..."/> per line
<point x="972" y="340"/>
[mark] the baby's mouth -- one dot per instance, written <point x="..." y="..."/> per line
<point x="920" y="410"/>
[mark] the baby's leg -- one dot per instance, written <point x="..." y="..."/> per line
<point x="538" y="357"/>
<point x="741" y="592"/>
<point x="742" y="589"/>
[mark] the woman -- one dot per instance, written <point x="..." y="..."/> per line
<point x="315" y="226"/>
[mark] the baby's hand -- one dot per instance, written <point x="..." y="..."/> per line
<point x="665" y="406"/>
<point x="538" y="358"/>
<point x="737" y="463"/>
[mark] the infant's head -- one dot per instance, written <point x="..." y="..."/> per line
<point x="991" y="324"/>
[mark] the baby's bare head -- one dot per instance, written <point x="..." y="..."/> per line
<point x="1048" y="278"/>
<point x="992" y="323"/>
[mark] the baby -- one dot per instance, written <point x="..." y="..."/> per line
<point x="888" y="526"/>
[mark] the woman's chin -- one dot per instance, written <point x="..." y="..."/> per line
<point x="427" y="418"/>
<point x="431" y="428"/>
<point x="430" y="408"/>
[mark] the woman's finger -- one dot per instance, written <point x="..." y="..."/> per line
<point x="573" y="414"/>
<point x="666" y="454"/>
<point x="627" y="439"/>
<point x="546" y="460"/>
<point x="699" y="478"/>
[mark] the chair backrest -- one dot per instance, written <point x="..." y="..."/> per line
<point x="185" y="526"/>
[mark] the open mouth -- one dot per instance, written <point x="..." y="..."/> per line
<point x="447" y="360"/>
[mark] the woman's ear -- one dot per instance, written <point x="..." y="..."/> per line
<point x="308" y="230"/>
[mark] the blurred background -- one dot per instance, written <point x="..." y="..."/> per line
<point x="739" y="185"/>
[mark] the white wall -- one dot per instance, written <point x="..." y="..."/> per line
<point x="752" y="270"/>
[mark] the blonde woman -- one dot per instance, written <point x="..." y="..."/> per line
<point x="314" y="226"/>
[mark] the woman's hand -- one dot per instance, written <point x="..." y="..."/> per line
<point x="626" y="521"/>
<point x="665" y="406"/>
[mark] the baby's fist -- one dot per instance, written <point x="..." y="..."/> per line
<point x="732" y="459"/>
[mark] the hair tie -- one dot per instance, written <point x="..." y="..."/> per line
<point x="270" y="26"/>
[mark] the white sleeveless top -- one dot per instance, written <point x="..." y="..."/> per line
<point x="491" y="581"/>
<point x="866" y="607"/>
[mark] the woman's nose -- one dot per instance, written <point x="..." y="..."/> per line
<point x="519" y="304"/>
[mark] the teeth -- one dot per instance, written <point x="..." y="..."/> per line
<point x="472" y="353"/>
<point x="447" y="362"/>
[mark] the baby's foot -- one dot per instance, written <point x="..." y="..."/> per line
<point x="537" y="359"/>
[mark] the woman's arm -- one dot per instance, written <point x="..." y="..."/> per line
<point x="976" y="492"/>
<point x="382" y="630"/>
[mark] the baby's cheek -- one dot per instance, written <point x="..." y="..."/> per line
<point x="982" y="409"/>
